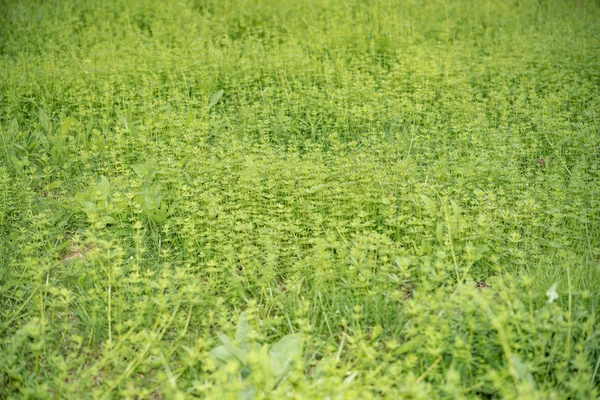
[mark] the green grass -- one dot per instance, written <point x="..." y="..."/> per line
<point x="379" y="194"/>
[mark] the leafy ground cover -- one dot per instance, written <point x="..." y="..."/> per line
<point x="308" y="199"/>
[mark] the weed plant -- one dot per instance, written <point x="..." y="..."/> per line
<point x="300" y="199"/>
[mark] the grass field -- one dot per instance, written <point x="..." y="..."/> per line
<point x="300" y="199"/>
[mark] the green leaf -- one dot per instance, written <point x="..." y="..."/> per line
<point x="66" y="124"/>
<point x="242" y="332"/>
<point x="377" y="331"/>
<point x="139" y="169"/>
<point x="14" y="126"/>
<point x="81" y="197"/>
<point x="190" y="117"/>
<point x="32" y="147"/>
<point x="284" y="352"/>
<point x="408" y="346"/>
<point x="233" y="349"/>
<point x="16" y="162"/>
<point x="188" y="178"/>
<point x="248" y="393"/>
<point x="480" y="251"/>
<point x="429" y="204"/>
<point x="45" y="121"/>
<point x="90" y="125"/>
<point x="250" y="171"/>
<point x="161" y="214"/>
<point x="263" y="364"/>
<point x="103" y="187"/>
<point x="52" y="186"/>
<point x="146" y="171"/>
<point x="455" y="209"/>
<point x="107" y="219"/>
<point x="129" y="119"/>
<point x="18" y="146"/>
<point x="522" y="369"/>
<point x="215" y="99"/>
<point x="222" y="354"/>
<point x="439" y="233"/>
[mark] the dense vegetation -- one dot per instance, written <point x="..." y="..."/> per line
<point x="306" y="199"/>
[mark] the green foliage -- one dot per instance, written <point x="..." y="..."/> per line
<point x="98" y="204"/>
<point x="393" y="199"/>
<point x="274" y="363"/>
<point x="150" y="196"/>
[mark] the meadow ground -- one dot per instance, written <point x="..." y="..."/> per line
<point x="300" y="199"/>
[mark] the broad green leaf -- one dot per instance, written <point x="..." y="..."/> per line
<point x="250" y="171"/>
<point x="129" y="118"/>
<point x="52" y="185"/>
<point x="222" y="354"/>
<point x="283" y="353"/>
<point x="188" y="178"/>
<point x="14" y="126"/>
<point x="161" y="214"/>
<point x="264" y="363"/>
<point x="18" y="146"/>
<point x="89" y="208"/>
<point x="480" y="251"/>
<point x="107" y="219"/>
<point x="89" y="125"/>
<point x="103" y="187"/>
<point x="45" y="122"/>
<point x="455" y="209"/>
<point x="16" y="162"/>
<point x="32" y="147"/>
<point x="215" y="99"/>
<point x="67" y="124"/>
<point x="408" y="346"/>
<point x="242" y="332"/>
<point x="522" y="370"/>
<point x="233" y="349"/>
<point x="248" y="393"/>
<point x="81" y="197"/>
<point x="376" y="332"/>
<point x="190" y="117"/>
<point x="150" y="203"/>
<point x="146" y="170"/>
<point x="139" y="169"/>
<point x="439" y="233"/>
<point x="429" y="204"/>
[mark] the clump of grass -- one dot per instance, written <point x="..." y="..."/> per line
<point x="299" y="199"/>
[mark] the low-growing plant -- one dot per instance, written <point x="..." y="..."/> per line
<point x="271" y="363"/>
<point x="99" y="203"/>
<point x="382" y="199"/>
<point x="150" y="195"/>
